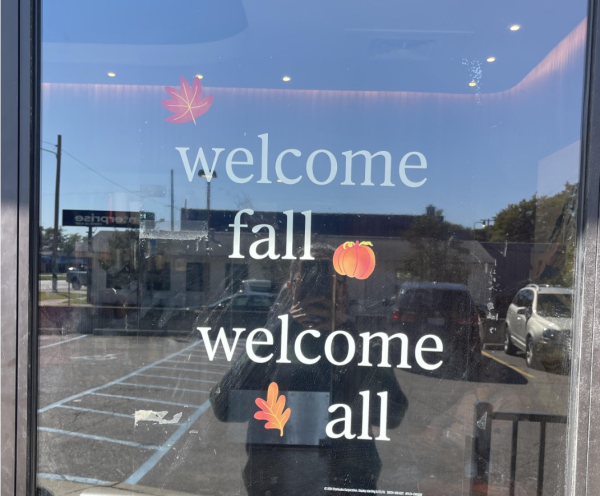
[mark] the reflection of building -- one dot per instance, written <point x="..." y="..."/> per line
<point x="191" y="269"/>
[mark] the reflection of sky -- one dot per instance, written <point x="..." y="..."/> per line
<point x="482" y="144"/>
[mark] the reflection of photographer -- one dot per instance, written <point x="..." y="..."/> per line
<point x="304" y="460"/>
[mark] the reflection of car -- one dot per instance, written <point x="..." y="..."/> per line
<point x="538" y="322"/>
<point x="444" y="309"/>
<point x="77" y="278"/>
<point x="247" y="310"/>
<point x="257" y="286"/>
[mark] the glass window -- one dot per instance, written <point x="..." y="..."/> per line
<point x="194" y="277"/>
<point x="285" y="246"/>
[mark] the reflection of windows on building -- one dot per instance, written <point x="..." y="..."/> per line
<point x="235" y="274"/>
<point x="158" y="275"/>
<point x="194" y="276"/>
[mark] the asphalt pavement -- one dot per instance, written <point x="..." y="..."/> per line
<point x="93" y="387"/>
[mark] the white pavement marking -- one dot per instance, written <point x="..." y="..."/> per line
<point x="71" y="478"/>
<point x="62" y="342"/>
<point x="176" y="378"/>
<point x="205" y="356"/>
<point x="185" y="362"/>
<point x="116" y="381"/>
<point x="145" y="399"/>
<point x="220" y="372"/>
<point x="190" y="370"/>
<point x="98" y="438"/>
<point x="160" y="450"/>
<point x="171" y="388"/>
<point x="91" y="410"/>
<point x="164" y="449"/>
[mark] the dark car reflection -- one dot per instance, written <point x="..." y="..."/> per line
<point x="247" y="310"/>
<point x="443" y="309"/>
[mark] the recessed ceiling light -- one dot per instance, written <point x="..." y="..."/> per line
<point x="111" y="74"/>
<point x="491" y="59"/>
<point x="287" y="78"/>
<point x="199" y="76"/>
<point x="514" y="27"/>
<point x="472" y="83"/>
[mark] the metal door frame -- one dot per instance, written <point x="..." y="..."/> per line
<point x="20" y="73"/>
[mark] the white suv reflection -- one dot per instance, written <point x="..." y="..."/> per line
<point x="538" y="321"/>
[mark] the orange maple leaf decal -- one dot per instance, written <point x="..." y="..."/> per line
<point x="187" y="104"/>
<point x="272" y="409"/>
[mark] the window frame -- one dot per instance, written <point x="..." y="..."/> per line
<point x="20" y="83"/>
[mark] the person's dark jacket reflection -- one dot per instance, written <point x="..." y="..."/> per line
<point x="344" y="463"/>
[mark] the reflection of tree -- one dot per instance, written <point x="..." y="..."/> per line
<point x="547" y="220"/>
<point x="516" y="222"/>
<point x="69" y="244"/>
<point x="121" y="261"/>
<point x="66" y="242"/>
<point x="437" y="254"/>
<point x="541" y="219"/>
<point x="47" y="237"/>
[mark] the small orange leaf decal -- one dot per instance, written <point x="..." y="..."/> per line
<point x="272" y="409"/>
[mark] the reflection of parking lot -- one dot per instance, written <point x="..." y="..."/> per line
<point x="90" y="433"/>
<point x="89" y="399"/>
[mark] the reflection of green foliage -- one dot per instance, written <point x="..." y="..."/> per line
<point x="516" y="222"/>
<point x="541" y="219"/>
<point x="66" y="242"/>
<point x="47" y="237"/>
<point x="69" y="244"/>
<point x="121" y="264"/>
<point x="437" y="255"/>
<point x="547" y="220"/>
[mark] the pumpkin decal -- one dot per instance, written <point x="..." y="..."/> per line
<point x="354" y="259"/>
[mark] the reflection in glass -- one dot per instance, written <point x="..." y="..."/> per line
<point x="197" y="261"/>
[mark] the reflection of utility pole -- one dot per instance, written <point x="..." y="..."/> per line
<point x="89" y="265"/>
<point x="56" y="196"/>
<point x="208" y="178"/>
<point x="485" y="223"/>
<point x="172" y="200"/>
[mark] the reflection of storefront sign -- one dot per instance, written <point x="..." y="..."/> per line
<point x="103" y="218"/>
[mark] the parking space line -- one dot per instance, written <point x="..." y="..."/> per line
<point x="146" y="399"/>
<point x="516" y="369"/>
<point x="205" y="355"/>
<point x="111" y="383"/>
<point x="164" y="449"/>
<point x="164" y="387"/>
<point x="200" y="363"/>
<point x="91" y="410"/>
<point x="71" y="478"/>
<point x="98" y="438"/>
<point x="176" y="378"/>
<point x="62" y="342"/>
<point x="190" y="370"/>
